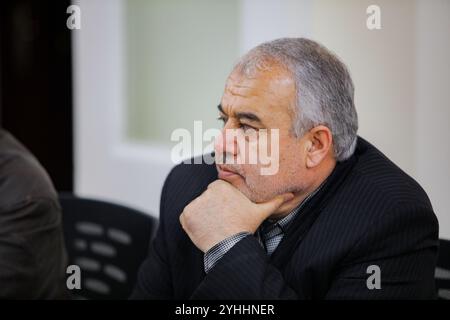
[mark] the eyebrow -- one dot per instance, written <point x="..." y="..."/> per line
<point x="243" y="115"/>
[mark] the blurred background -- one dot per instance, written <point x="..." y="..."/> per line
<point x="97" y="105"/>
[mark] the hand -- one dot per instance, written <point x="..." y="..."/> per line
<point x="222" y="211"/>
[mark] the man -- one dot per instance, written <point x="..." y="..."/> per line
<point x="32" y="253"/>
<point x="337" y="221"/>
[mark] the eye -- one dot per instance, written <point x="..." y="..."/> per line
<point x="223" y="119"/>
<point x="246" y="127"/>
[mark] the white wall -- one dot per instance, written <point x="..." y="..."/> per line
<point x="264" y="20"/>
<point x="107" y="166"/>
<point x="432" y="105"/>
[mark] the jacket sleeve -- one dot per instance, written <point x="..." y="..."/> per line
<point x="154" y="279"/>
<point x="32" y="259"/>
<point x="403" y="245"/>
<point x="244" y="273"/>
<point x="401" y="249"/>
<point x="18" y="269"/>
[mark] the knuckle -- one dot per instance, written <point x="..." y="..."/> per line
<point x="181" y="218"/>
<point x="186" y="216"/>
<point x="212" y="184"/>
<point x="217" y="184"/>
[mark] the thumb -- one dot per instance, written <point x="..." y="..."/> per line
<point x="271" y="206"/>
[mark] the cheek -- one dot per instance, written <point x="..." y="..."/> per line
<point x="254" y="178"/>
<point x="291" y="149"/>
<point x="291" y="163"/>
<point x="288" y="160"/>
<point x="250" y="170"/>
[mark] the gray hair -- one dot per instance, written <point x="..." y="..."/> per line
<point x="323" y="84"/>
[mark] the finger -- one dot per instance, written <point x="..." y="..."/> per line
<point x="180" y="218"/>
<point x="218" y="182"/>
<point x="271" y="206"/>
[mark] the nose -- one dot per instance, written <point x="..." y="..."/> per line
<point x="225" y="143"/>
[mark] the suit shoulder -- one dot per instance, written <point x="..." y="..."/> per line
<point x="377" y="191"/>
<point x="195" y="170"/>
<point x="378" y="205"/>
<point x="185" y="182"/>
<point x="22" y="178"/>
<point x="383" y="178"/>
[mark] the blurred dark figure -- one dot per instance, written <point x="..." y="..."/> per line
<point x="36" y="82"/>
<point x="32" y="252"/>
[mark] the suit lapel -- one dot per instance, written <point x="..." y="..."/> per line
<point x="309" y="213"/>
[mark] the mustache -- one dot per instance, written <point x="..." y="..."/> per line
<point x="227" y="162"/>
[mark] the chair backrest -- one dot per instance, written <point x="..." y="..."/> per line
<point x="108" y="242"/>
<point x="442" y="273"/>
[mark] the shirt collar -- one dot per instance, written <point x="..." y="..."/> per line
<point x="284" y="223"/>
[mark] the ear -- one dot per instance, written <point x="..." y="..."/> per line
<point x="319" y="145"/>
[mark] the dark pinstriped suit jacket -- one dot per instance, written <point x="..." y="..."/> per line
<point x="369" y="212"/>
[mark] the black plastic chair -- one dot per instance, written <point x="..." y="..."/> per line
<point x="442" y="273"/>
<point x="108" y="242"/>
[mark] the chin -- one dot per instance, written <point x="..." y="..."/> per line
<point x="256" y="192"/>
<point x="255" y="196"/>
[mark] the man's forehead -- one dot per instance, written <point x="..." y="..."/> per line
<point x="263" y="88"/>
<point x="261" y="79"/>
